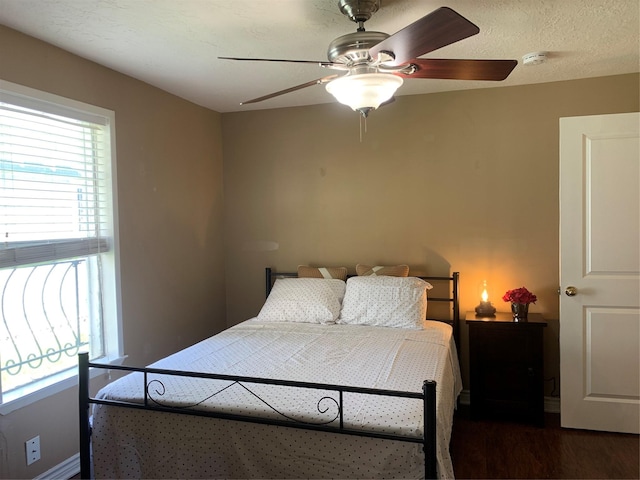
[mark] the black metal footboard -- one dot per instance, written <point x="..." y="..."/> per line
<point x="334" y="425"/>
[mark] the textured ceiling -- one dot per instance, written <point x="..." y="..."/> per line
<point x="174" y="44"/>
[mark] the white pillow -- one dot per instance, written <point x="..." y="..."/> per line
<point x="306" y="300"/>
<point x="399" y="302"/>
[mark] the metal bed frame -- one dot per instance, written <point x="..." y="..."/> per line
<point x="333" y="425"/>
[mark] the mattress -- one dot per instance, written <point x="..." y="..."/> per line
<point x="130" y="443"/>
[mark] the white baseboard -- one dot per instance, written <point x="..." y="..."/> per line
<point x="62" y="471"/>
<point x="551" y="404"/>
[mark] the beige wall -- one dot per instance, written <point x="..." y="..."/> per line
<point x="464" y="181"/>
<point x="169" y="162"/>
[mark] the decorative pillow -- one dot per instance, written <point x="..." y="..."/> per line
<point x="306" y="300"/>
<point x="385" y="301"/>
<point x="390" y="270"/>
<point x="322" y="272"/>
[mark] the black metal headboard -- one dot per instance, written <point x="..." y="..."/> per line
<point x="446" y="289"/>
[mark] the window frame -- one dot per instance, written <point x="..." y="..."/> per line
<point x="112" y="306"/>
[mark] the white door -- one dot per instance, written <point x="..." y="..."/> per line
<point x="600" y="272"/>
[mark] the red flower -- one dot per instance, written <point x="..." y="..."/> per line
<point x="519" y="295"/>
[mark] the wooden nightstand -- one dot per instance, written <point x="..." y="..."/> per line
<point x="506" y="363"/>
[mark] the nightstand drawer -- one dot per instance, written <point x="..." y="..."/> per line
<point x="498" y="343"/>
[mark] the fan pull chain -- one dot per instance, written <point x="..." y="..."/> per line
<point x="365" y="126"/>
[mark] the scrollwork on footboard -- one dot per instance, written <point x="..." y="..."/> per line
<point x="160" y="390"/>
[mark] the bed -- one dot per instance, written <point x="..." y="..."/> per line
<point x="283" y="395"/>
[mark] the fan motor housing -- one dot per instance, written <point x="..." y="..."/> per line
<point x="359" y="10"/>
<point x="353" y="48"/>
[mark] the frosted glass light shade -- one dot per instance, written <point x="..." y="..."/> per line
<point x="366" y="90"/>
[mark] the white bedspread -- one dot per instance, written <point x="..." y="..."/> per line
<point x="141" y="444"/>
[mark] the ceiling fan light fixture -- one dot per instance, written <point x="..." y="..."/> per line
<point x="364" y="91"/>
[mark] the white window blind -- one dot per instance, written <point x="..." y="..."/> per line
<point x="54" y="192"/>
<point x="59" y="268"/>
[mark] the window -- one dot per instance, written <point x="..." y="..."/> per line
<point x="58" y="257"/>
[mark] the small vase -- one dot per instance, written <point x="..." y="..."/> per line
<point x="520" y="311"/>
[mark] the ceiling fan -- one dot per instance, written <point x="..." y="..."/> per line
<point x="376" y="63"/>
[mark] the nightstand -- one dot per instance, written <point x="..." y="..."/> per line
<point x="506" y="367"/>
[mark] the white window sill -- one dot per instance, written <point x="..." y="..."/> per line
<point x="21" y="397"/>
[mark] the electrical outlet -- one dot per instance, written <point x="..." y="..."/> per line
<point x="32" y="449"/>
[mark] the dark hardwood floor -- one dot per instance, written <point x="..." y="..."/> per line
<point x="493" y="449"/>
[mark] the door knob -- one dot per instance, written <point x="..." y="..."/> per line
<point x="571" y="291"/>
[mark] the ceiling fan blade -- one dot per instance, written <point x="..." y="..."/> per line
<point x="439" y="28"/>
<point x="313" y="62"/>
<point x="461" y="69"/>
<point x="319" y="81"/>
